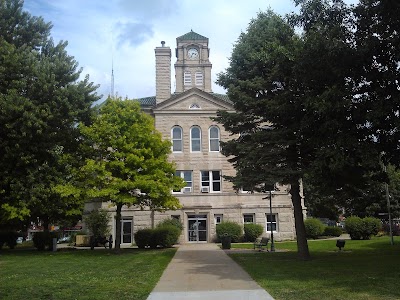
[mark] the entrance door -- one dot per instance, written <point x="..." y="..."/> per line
<point x="126" y="231"/>
<point x="197" y="228"/>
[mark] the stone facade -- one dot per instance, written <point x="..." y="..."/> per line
<point x="208" y="197"/>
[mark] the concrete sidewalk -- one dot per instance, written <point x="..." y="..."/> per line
<point x="204" y="271"/>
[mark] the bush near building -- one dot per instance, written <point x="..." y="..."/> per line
<point x="252" y="232"/>
<point x="364" y="228"/>
<point x="165" y="235"/>
<point x="231" y="229"/>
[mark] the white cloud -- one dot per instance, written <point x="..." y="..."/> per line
<point x="127" y="32"/>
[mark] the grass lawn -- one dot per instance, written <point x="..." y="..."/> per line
<point x="80" y="274"/>
<point x="364" y="270"/>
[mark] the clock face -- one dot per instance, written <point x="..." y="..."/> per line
<point x="193" y="53"/>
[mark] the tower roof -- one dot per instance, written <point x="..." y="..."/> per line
<point x="191" y="36"/>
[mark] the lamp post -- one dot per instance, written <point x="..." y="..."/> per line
<point x="388" y="208"/>
<point x="270" y="219"/>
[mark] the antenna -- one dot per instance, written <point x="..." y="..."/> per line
<point x="112" y="78"/>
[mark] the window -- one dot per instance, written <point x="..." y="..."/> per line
<point x="187" y="78"/>
<point x="199" y="78"/>
<point x="187" y="176"/>
<point x="176" y="217"/>
<point x="210" y="181"/>
<point x="177" y="139"/>
<point x="218" y="219"/>
<point x="214" y="138"/>
<point x="195" y="139"/>
<point x="274" y="222"/>
<point x="248" y="218"/>
<point x="194" y="106"/>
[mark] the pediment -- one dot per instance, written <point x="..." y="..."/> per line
<point x="194" y="100"/>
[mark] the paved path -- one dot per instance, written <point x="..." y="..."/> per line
<point x="204" y="271"/>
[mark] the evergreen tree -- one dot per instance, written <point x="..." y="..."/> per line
<point x="42" y="100"/>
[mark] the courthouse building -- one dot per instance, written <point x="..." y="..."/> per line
<point x="184" y="118"/>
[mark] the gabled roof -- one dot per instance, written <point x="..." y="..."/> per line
<point x="191" y="36"/>
<point x="151" y="101"/>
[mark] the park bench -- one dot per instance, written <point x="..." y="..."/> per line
<point x="101" y="240"/>
<point x="261" y="243"/>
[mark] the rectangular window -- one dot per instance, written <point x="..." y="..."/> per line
<point x="274" y="223"/>
<point x="187" y="176"/>
<point x="210" y="181"/>
<point x="218" y="219"/>
<point x="187" y="78"/>
<point x="199" y="78"/>
<point x="248" y="218"/>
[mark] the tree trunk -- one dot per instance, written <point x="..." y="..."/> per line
<point x="118" y="228"/>
<point x="302" y="246"/>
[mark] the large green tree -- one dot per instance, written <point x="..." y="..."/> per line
<point x="125" y="162"/>
<point x="293" y="102"/>
<point x="42" y="100"/>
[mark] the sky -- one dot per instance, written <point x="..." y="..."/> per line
<point x="122" y="34"/>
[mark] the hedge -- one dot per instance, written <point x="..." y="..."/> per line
<point x="359" y="228"/>
<point x="314" y="228"/>
<point x="228" y="228"/>
<point x="165" y="236"/>
<point x="333" y="231"/>
<point x="43" y="240"/>
<point x="9" y="238"/>
<point x="252" y="232"/>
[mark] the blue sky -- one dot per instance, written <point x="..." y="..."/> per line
<point x="127" y="31"/>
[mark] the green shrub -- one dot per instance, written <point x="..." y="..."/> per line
<point x="354" y="227"/>
<point x="44" y="239"/>
<point x="171" y="221"/>
<point x="333" y="231"/>
<point x="9" y="238"/>
<point x="362" y="228"/>
<point x="252" y="232"/>
<point x="371" y="226"/>
<point x="314" y="228"/>
<point x="228" y="228"/>
<point x="165" y="236"/>
<point x="97" y="223"/>
<point x="143" y="237"/>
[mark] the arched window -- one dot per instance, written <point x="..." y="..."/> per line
<point x="176" y="134"/>
<point x="195" y="139"/>
<point x="214" y="138"/>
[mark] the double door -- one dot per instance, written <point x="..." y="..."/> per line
<point x="197" y="228"/>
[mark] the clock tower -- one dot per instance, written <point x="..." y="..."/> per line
<point x="192" y="67"/>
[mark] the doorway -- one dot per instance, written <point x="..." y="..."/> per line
<point x="126" y="231"/>
<point x="197" y="228"/>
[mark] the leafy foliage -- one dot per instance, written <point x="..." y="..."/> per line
<point x="171" y="221"/>
<point x="97" y="222"/>
<point x="164" y="236"/>
<point x="9" y="238"/>
<point x="332" y="231"/>
<point x="229" y="228"/>
<point x="314" y="227"/>
<point x="44" y="239"/>
<point x="252" y="232"/>
<point x="125" y="162"/>
<point x="42" y="100"/>
<point x="362" y="228"/>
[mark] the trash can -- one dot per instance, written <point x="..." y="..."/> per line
<point x="226" y="242"/>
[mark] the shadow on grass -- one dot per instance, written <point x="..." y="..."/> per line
<point x="366" y="270"/>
